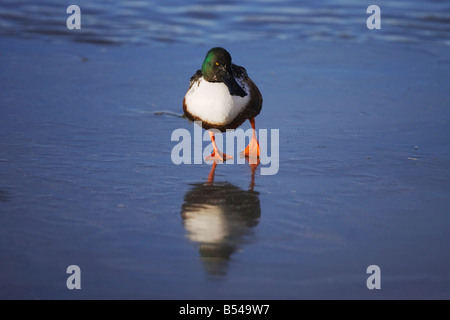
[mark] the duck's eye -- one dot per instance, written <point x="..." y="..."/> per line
<point x="217" y="63"/>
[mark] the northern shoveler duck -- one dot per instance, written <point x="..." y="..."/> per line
<point x="222" y="96"/>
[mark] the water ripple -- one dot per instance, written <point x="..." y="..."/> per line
<point x="199" y="22"/>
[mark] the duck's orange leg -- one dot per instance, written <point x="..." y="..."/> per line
<point x="252" y="149"/>
<point x="216" y="155"/>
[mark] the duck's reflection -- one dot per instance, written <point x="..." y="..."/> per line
<point x="219" y="217"/>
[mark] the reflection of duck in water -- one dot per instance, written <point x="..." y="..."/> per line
<point x="219" y="217"/>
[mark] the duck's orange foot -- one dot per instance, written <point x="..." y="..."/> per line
<point x="252" y="150"/>
<point x="218" y="156"/>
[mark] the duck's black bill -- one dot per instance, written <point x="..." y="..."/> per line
<point x="234" y="88"/>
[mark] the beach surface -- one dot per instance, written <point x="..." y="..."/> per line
<point x="87" y="178"/>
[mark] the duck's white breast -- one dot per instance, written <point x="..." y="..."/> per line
<point x="212" y="102"/>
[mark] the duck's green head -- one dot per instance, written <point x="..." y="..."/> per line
<point x="217" y="67"/>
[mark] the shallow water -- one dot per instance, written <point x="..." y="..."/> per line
<point x="202" y="22"/>
<point x="86" y="176"/>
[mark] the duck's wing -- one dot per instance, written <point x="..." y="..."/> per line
<point x="239" y="71"/>
<point x="195" y="78"/>
<point x="255" y="104"/>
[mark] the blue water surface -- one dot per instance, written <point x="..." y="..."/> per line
<point x="87" y="179"/>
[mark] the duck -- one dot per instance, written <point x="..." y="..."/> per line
<point x="222" y="96"/>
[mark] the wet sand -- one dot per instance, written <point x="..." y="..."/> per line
<point x="86" y="176"/>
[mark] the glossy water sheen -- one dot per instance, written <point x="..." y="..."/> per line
<point x="86" y="176"/>
<point x="136" y="21"/>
